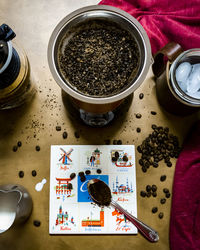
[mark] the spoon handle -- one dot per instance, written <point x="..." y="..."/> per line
<point x="145" y="230"/>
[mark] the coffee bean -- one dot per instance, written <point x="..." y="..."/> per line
<point x="19" y="143"/>
<point x="162" y="201"/>
<point x="167" y="195"/>
<point x="143" y="193"/>
<point x="76" y="134"/>
<point x="114" y="142"/>
<point x="87" y="172"/>
<point x="154" y="194"/>
<point x="138" y="130"/>
<point x="154" y="188"/>
<point x="165" y="190"/>
<point x="119" y="142"/>
<point x="141" y="95"/>
<point x="36" y="223"/>
<point x="153" y="126"/>
<point x="155" y="164"/>
<point x="160" y="215"/>
<point x="65" y="135"/>
<point x="72" y="176"/>
<point x="15" y="148"/>
<point x="169" y="164"/>
<point x="114" y="159"/>
<point x="154" y="210"/>
<point x="144" y="169"/>
<point x="99" y="171"/>
<point x="125" y="158"/>
<point x="58" y="128"/>
<point x="34" y="173"/>
<point x="153" y="113"/>
<point x="81" y="173"/>
<point x="21" y="174"/>
<point x="163" y="177"/>
<point x="139" y="149"/>
<point x="117" y="154"/>
<point x="148" y="194"/>
<point x="148" y="188"/>
<point x="138" y="115"/>
<point x="83" y="178"/>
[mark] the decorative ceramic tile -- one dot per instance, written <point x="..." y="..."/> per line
<point x="71" y="208"/>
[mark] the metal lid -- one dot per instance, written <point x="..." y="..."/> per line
<point x="108" y="13"/>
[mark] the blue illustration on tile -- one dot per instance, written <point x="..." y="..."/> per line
<point x="83" y="195"/>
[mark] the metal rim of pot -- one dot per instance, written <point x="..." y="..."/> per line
<point x="173" y="85"/>
<point x="94" y="10"/>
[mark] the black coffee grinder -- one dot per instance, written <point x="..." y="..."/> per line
<point x="15" y="84"/>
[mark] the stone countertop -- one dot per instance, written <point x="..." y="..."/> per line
<point x="35" y="124"/>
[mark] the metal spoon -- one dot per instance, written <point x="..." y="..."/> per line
<point x="104" y="192"/>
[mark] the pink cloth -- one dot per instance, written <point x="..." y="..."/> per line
<point x="185" y="211"/>
<point x="165" y="20"/>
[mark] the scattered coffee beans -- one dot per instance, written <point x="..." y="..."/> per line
<point x="143" y="193"/>
<point x="162" y="201"/>
<point x="19" y="143"/>
<point x="154" y="194"/>
<point x="153" y="113"/>
<point x="148" y="194"/>
<point x="87" y="172"/>
<point x="81" y="174"/>
<point x="148" y="188"/>
<point x="76" y="134"/>
<point x="34" y="173"/>
<point x="154" y="188"/>
<point x="58" y="128"/>
<point x="72" y="176"/>
<point x="83" y="178"/>
<point x="167" y="195"/>
<point x="14" y="148"/>
<point x="163" y="177"/>
<point x="114" y="142"/>
<point x="160" y="215"/>
<point x="138" y="115"/>
<point x="138" y="130"/>
<point x="36" y="223"/>
<point x="119" y="142"/>
<point x="37" y="148"/>
<point x="21" y="174"/>
<point x="98" y="171"/>
<point x="141" y="95"/>
<point x="65" y="135"/>
<point x="165" y="190"/>
<point x="154" y="210"/>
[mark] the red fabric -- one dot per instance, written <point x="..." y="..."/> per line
<point x="185" y="212"/>
<point x="165" y="20"/>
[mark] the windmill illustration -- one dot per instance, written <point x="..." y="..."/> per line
<point x="66" y="156"/>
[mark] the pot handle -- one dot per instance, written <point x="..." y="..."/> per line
<point x="169" y="52"/>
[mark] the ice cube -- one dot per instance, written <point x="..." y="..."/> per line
<point x="194" y="79"/>
<point x="183" y="71"/>
<point x="195" y="95"/>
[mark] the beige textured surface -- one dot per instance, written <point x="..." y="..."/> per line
<point x="34" y="124"/>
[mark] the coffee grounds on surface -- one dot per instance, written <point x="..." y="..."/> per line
<point x="100" y="193"/>
<point x="99" y="59"/>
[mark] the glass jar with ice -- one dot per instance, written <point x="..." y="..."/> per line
<point x="188" y="78"/>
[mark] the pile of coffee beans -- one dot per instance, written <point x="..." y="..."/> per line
<point x="151" y="190"/>
<point x="159" y="145"/>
